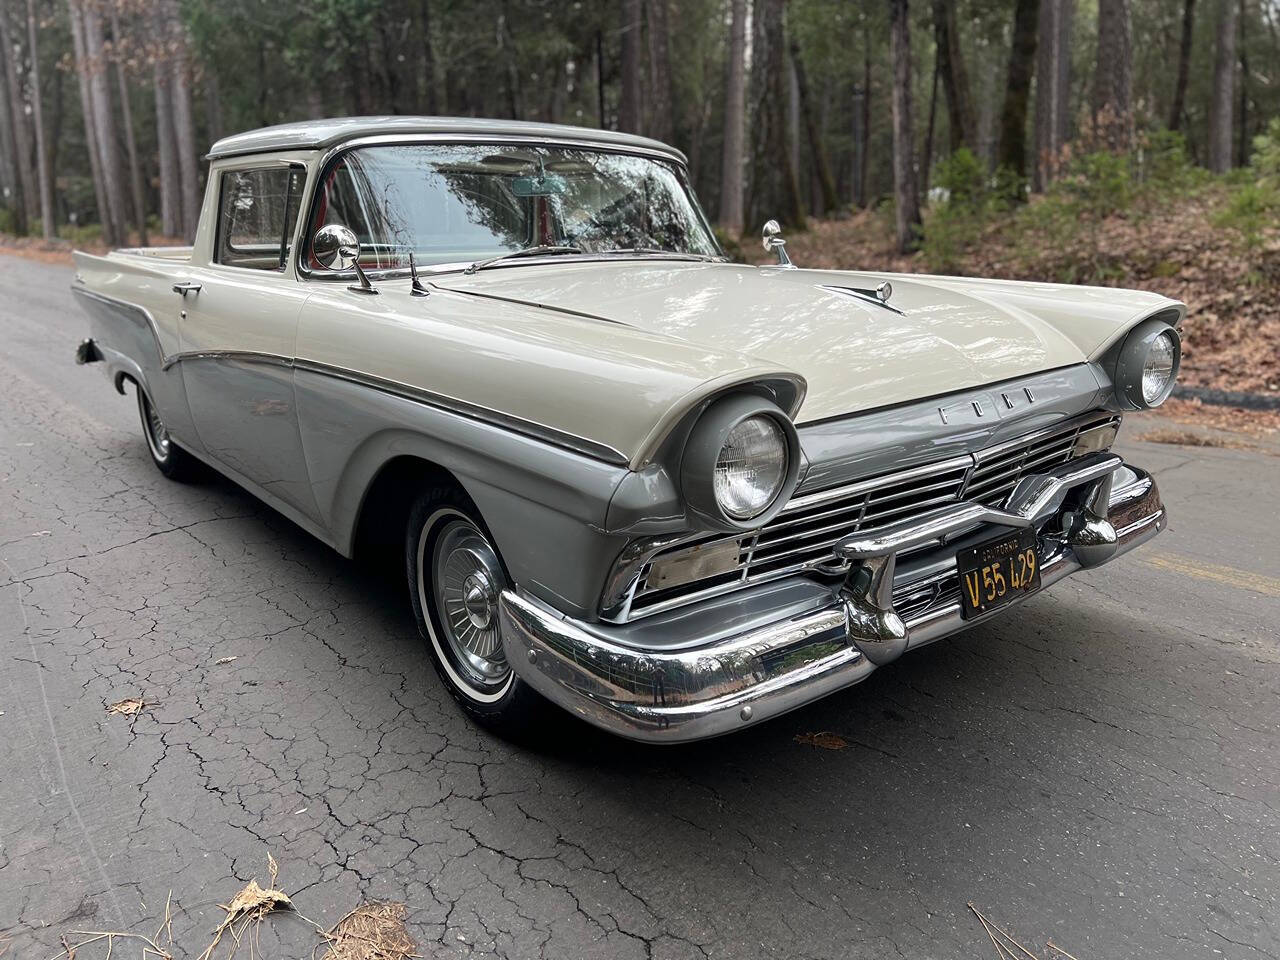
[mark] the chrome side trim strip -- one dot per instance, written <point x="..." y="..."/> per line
<point x="528" y="428"/>
<point x="538" y="431"/>
<point x="245" y="356"/>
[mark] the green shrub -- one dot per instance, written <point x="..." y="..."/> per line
<point x="1250" y="210"/>
<point x="963" y="179"/>
<point x="1266" y="155"/>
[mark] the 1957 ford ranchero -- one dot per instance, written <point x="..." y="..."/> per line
<point x="672" y="494"/>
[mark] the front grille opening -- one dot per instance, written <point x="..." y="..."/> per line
<point x="800" y="539"/>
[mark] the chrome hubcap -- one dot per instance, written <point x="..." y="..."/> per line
<point x="468" y="580"/>
<point x="157" y="433"/>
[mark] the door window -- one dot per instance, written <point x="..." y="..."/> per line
<point x="257" y="211"/>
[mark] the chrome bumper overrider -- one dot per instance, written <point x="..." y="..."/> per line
<point x="1088" y="511"/>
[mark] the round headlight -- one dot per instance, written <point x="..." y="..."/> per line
<point x="1158" y="368"/>
<point x="1146" y="365"/>
<point x="740" y="462"/>
<point x="751" y="467"/>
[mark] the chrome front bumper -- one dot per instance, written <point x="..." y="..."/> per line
<point x="1088" y="511"/>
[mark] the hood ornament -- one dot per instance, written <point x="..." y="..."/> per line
<point x="878" y="297"/>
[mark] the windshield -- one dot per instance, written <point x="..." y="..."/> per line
<point x="461" y="203"/>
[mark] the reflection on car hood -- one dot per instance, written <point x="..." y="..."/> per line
<point x="950" y="335"/>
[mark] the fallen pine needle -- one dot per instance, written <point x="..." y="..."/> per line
<point x="372" y="931"/>
<point x="989" y="925"/>
<point x="1057" y="949"/>
<point x="825" y="739"/>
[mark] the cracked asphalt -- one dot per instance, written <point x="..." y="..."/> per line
<point x="1098" y="768"/>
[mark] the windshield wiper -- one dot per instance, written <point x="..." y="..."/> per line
<point x="548" y="249"/>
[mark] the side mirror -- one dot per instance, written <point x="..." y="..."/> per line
<point x="771" y="238"/>
<point x="336" y="247"/>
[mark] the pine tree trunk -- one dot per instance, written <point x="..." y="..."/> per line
<point x="961" y="119"/>
<point x="432" y="99"/>
<point x="44" y="173"/>
<point x="1224" y="75"/>
<point x="130" y="141"/>
<point x="184" y="128"/>
<point x="1113" y="78"/>
<point x="1053" y="75"/>
<point x="170" y="178"/>
<point x="905" y="184"/>
<point x="735" y="119"/>
<point x="927" y="163"/>
<point x="1012" y="152"/>
<point x="774" y="191"/>
<point x="1184" y="65"/>
<point x="28" y="205"/>
<point x="662" y="96"/>
<point x="629" y="107"/>
<point x="86" y="110"/>
<point x="8" y="152"/>
<point x="817" y="151"/>
<point x="113" y="185"/>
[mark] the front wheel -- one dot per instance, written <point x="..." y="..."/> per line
<point x="170" y="459"/>
<point x="455" y="580"/>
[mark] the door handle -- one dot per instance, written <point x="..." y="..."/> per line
<point x="186" y="286"/>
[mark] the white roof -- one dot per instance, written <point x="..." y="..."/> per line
<point x="319" y="134"/>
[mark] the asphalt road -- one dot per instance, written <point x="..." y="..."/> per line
<point x="1098" y="768"/>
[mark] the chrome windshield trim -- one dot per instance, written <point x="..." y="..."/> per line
<point x="674" y="158"/>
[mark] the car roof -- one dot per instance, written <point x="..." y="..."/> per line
<point x="320" y="134"/>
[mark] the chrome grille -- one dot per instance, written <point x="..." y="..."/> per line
<point x="801" y="537"/>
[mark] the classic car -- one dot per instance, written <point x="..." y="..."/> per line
<point x="673" y="494"/>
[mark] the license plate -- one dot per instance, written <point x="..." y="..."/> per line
<point x="997" y="572"/>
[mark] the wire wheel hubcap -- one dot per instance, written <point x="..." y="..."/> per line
<point x="467" y="581"/>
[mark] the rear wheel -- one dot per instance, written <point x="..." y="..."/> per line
<point x="170" y="459"/>
<point x="455" y="581"/>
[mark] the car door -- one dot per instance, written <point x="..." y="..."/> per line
<point x="238" y="330"/>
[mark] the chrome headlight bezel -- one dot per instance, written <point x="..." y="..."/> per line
<point x="702" y="452"/>
<point x="1131" y="360"/>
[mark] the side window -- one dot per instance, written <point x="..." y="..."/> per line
<point x="257" y="210"/>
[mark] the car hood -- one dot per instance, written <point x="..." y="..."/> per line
<point x="945" y="335"/>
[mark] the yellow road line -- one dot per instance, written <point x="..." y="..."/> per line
<point x="1218" y="574"/>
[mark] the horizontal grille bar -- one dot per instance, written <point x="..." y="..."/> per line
<point x="803" y="535"/>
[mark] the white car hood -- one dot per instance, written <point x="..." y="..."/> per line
<point x="951" y="334"/>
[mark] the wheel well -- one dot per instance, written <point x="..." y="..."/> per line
<point x="384" y="511"/>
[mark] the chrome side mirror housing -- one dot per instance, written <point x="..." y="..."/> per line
<point x="336" y="247"/>
<point x="771" y="239"/>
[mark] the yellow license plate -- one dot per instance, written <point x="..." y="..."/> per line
<point x="997" y="572"/>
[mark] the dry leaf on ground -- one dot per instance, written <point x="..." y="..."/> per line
<point x="128" y="707"/>
<point x="372" y="931"/>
